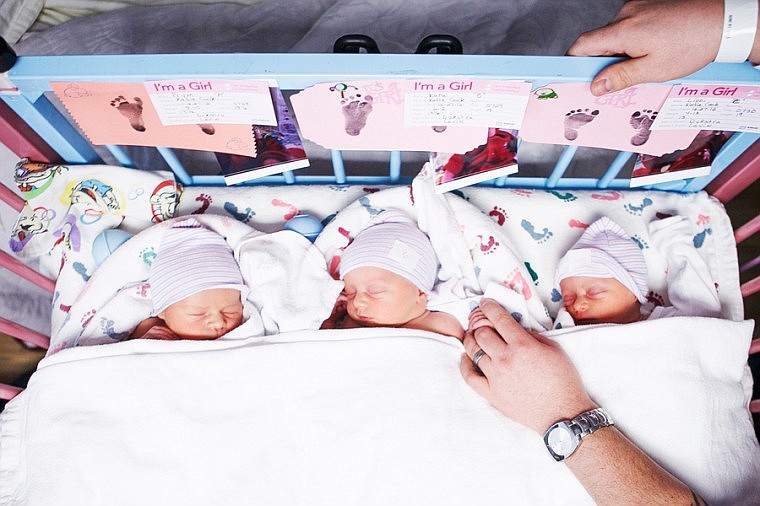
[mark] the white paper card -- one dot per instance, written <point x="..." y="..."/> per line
<point x="194" y="101"/>
<point x="466" y="102"/>
<point x="710" y="107"/>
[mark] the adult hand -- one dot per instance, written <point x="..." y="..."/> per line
<point x="665" y="39"/>
<point x="525" y="376"/>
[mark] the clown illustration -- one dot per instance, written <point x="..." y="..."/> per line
<point x="163" y="201"/>
<point x="96" y="193"/>
<point x="31" y="222"/>
<point x="34" y="178"/>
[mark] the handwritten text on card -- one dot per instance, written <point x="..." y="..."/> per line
<point x="730" y="108"/>
<point x="483" y="103"/>
<point x="183" y="102"/>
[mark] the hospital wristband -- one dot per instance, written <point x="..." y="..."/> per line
<point x="739" y="29"/>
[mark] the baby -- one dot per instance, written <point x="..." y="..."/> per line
<point x="389" y="270"/>
<point x="196" y="286"/>
<point x="603" y="278"/>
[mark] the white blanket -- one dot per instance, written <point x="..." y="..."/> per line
<point x="362" y="416"/>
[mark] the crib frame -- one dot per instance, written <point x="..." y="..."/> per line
<point x="32" y="127"/>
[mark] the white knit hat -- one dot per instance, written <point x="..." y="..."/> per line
<point x="606" y="251"/>
<point x="394" y="243"/>
<point x="191" y="259"/>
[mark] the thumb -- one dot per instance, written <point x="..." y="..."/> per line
<point x="619" y="76"/>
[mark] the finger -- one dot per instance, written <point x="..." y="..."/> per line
<point x="619" y="76"/>
<point x="476" y="381"/>
<point x="471" y="346"/>
<point x="487" y="339"/>
<point x="506" y="327"/>
<point x="476" y="320"/>
<point x="604" y="41"/>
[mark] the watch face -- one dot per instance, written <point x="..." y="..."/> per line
<point x="561" y="440"/>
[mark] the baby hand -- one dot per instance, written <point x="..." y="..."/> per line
<point x="477" y="319"/>
<point x="160" y="332"/>
<point x="338" y="315"/>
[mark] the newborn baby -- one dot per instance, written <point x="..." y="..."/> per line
<point x="196" y="286"/>
<point x="389" y="270"/>
<point x="603" y="278"/>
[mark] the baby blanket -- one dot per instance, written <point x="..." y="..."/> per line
<point x="370" y="416"/>
<point x="290" y="288"/>
<point x="541" y="225"/>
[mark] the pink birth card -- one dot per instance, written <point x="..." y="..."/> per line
<point x="124" y="114"/>
<point x="370" y="115"/>
<point x="567" y="113"/>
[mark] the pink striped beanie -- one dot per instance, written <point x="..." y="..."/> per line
<point x="191" y="259"/>
<point x="606" y="251"/>
<point x="394" y="243"/>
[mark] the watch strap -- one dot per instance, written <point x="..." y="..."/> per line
<point x="590" y="421"/>
<point x="581" y="426"/>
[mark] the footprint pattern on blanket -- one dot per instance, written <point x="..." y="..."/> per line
<point x="106" y="327"/>
<point x="641" y="121"/>
<point x="540" y="237"/>
<point x="533" y="274"/>
<point x="703" y="221"/>
<point x="291" y="210"/>
<point x="367" y="205"/>
<point x="81" y="269"/>
<point x="565" y="197"/>
<point x="244" y="216"/>
<point x="699" y="239"/>
<point x="205" y="201"/>
<point x="638" y="210"/>
<point x="576" y="119"/>
<point x="523" y="192"/>
<point x="655" y="298"/>
<point x="611" y="195"/>
<point x="142" y="290"/>
<point x="555" y="295"/>
<point x="498" y="214"/>
<point x="87" y="318"/>
<point x="573" y="223"/>
<point x="640" y="242"/>
<point x="148" y="255"/>
<point x="489" y="245"/>
<point x="517" y="282"/>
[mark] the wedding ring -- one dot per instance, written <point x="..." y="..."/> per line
<point x="476" y="358"/>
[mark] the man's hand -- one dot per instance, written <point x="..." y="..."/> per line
<point x="666" y="39"/>
<point x="527" y="377"/>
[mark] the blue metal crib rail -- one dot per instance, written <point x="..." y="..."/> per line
<point x="30" y="76"/>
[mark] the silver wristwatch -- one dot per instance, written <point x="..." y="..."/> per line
<point x="563" y="437"/>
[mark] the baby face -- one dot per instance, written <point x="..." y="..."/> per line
<point x="377" y="297"/>
<point x="208" y="314"/>
<point x="599" y="300"/>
